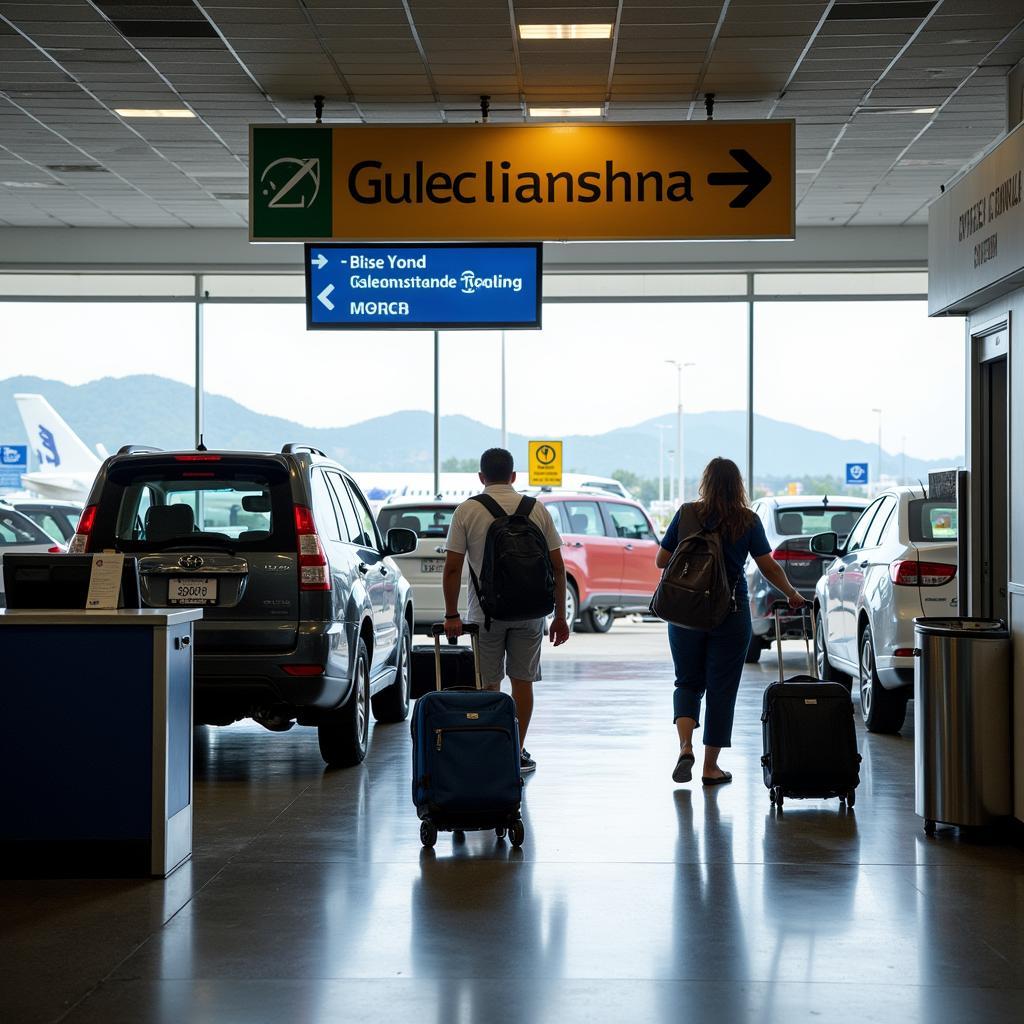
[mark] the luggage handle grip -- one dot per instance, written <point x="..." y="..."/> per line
<point x="469" y="628"/>
<point x="472" y="630"/>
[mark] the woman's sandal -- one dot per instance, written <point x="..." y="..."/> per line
<point x="716" y="780"/>
<point x="683" y="771"/>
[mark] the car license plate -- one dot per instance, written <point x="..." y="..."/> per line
<point x="192" y="590"/>
<point x="431" y="565"/>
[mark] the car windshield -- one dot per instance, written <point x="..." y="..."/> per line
<point x="931" y="520"/>
<point x="18" y="529"/>
<point x="189" y="503"/>
<point x="797" y="521"/>
<point x="426" y="520"/>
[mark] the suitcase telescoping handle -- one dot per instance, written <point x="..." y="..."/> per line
<point x="806" y="612"/>
<point x="472" y="630"/>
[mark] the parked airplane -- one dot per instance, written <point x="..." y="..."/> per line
<point x="380" y="487"/>
<point x="65" y="465"/>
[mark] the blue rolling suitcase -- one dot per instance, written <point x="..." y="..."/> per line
<point x="465" y="756"/>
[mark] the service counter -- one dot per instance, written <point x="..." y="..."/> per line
<point x="96" y="741"/>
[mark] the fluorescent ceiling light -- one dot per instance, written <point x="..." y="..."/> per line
<point x="586" y="31"/>
<point x="565" y="111"/>
<point x="925" y="110"/>
<point x="31" y="184"/>
<point x="154" y="112"/>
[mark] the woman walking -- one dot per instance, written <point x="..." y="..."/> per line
<point x="711" y="662"/>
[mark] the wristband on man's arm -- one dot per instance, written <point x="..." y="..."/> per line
<point x="455" y="616"/>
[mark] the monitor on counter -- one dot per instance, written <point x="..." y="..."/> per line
<point x="51" y="581"/>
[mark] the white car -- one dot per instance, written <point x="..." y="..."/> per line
<point x="19" y="534"/>
<point x="423" y="567"/>
<point x="898" y="563"/>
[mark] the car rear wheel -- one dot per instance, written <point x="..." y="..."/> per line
<point x="596" y="620"/>
<point x="392" y="703"/>
<point x="754" y="649"/>
<point x="826" y="670"/>
<point x="883" y="710"/>
<point x="344" y="734"/>
<point x="572" y="604"/>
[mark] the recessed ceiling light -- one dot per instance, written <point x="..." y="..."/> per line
<point x="31" y="184"/>
<point x="154" y="112"/>
<point x="565" y="111"/>
<point x="585" y="31"/>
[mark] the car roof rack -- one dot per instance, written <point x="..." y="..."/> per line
<point x="291" y="448"/>
<point x="135" y="449"/>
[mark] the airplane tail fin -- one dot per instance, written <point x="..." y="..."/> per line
<point x="57" y="447"/>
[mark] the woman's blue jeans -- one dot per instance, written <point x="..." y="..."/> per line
<point x="711" y="663"/>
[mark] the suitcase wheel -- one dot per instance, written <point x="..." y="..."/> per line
<point x="501" y="832"/>
<point x="851" y="798"/>
<point x="775" y="795"/>
<point x="459" y="836"/>
<point x="516" y="834"/>
<point x="428" y="834"/>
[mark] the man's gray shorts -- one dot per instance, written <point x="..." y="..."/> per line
<point x="512" y="649"/>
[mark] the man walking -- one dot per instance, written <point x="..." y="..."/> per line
<point x="517" y="577"/>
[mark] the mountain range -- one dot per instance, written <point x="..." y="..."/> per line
<point x="147" y="409"/>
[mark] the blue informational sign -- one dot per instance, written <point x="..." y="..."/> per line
<point x="856" y="474"/>
<point x="13" y="462"/>
<point x="353" y="287"/>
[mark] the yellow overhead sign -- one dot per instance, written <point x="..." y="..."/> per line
<point x="692" y="180"/>
<point x="545" y="463"/>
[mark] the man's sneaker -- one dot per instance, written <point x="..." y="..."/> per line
<point x="526" y="763"/>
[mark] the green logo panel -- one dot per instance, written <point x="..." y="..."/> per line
<point x="290" y="183"/>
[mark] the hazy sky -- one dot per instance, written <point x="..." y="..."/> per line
<point x="592" y="368"/>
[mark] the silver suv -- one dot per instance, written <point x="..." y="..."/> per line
<point x="306" y="617"/>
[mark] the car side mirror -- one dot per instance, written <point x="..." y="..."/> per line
<point x="401" y="541"/>
<point x="825" y="544"/>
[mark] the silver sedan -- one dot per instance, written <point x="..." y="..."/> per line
<point x="898" y="563"/>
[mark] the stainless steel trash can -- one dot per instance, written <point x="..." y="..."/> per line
<point x="962" y="721"/>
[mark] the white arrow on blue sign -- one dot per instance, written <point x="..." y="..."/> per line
<point x="856" y="473"/>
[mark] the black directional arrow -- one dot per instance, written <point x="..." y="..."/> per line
<point x="755" y="177"/>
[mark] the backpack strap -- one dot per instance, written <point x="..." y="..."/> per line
<point x="688" y="521"/>
<point x="491" y="505"/>
<point x="525" y="506"/>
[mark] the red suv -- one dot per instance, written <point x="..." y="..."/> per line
<point x="609" y="551"/>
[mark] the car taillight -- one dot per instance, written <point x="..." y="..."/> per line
<point x="55" y="550"/>
<point x="80" y="542"/>
<point x="303" y="670"/>
<point x="314" y="572"/>
<point x="909" y="572"/>
<point x="793" y="555"/>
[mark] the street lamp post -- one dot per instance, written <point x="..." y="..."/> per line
<point x="671" y="453"/>
<point x="878" y="465"/>
<point x="662" y="427"/>
<point x="679" y="426"/>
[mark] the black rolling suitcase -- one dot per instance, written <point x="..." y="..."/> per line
<point x="457" y="668"/>
<point x="810" y="742"/>
<point x="465" y="757"/>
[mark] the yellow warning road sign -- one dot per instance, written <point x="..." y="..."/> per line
<point x="545" y="463"/>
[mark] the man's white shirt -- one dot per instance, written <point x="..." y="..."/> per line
<point x="467" y="533"/>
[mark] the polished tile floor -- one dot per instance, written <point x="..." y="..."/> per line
<point x="309" y="898"/>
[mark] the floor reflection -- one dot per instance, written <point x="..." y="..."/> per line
<point x="469" y="928"/>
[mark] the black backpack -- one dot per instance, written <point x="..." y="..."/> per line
<point x="516" y="580"/>
<point x="694" y="590"/>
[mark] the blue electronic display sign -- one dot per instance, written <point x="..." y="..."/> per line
<point x="356" y="287"/>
